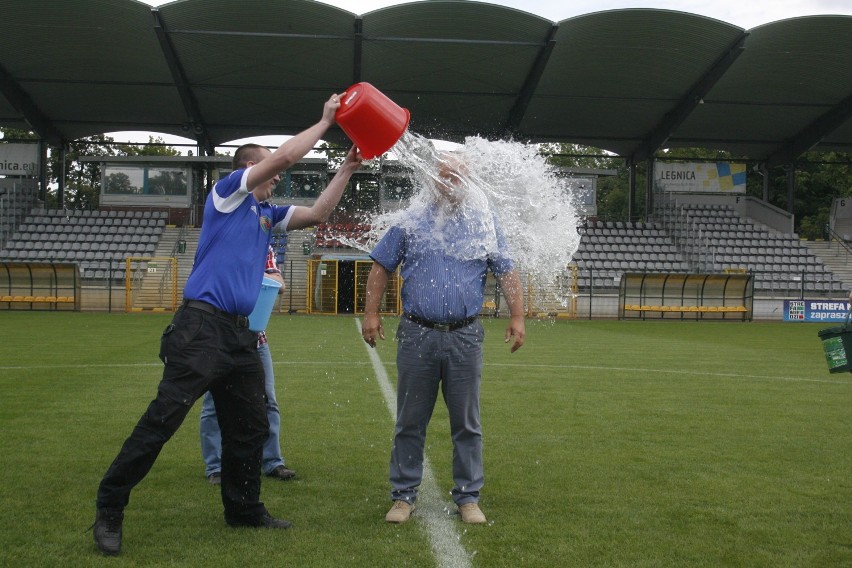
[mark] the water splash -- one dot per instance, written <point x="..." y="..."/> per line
<point x="491" y="183"/>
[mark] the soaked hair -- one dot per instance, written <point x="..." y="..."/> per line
<point x="247" y="153"/>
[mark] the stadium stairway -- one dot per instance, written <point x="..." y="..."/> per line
<point x="836" y="257"/>
<point x="715" y="238"/>
<point x="295" y="270"/>
<point x="153" y="295"/>
<point x="706" y="239"/>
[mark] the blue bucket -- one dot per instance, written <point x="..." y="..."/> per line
<point x="259" y="316"/>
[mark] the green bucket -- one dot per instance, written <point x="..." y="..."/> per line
<point x="837" y="344"/>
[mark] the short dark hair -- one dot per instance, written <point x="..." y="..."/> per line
<point x="247" y="153"/>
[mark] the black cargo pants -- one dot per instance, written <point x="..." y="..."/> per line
<point x="202" y="350"/>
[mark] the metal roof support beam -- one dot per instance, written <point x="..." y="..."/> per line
<point x="60" y="175"/>
<point x="22" y="102"/>
<point x="811" y="134"/>
<point x="198" y="128"/>
<point x="631" y="190"/>
<point x="516" y="115"/>
<point x="649" y="188"/>
<point x="357" y="50"/>
<point x="791" y="185"/>
<point x="684" y="107"/>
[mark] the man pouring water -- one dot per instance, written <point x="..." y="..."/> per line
<point x="208" y="346"/>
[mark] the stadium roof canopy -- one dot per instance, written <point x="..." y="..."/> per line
<point x="630" y="81"/>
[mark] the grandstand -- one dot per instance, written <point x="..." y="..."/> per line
<point x="608" y="249"/>
<point x="17" y="198"/>
<point x="714" y="238"/>
<point x="703" y="238"/>
<point x="682" y="236"/>
<point x="98" y="241"/>
<point x="697" y="238"/>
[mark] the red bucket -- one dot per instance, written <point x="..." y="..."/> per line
<point x="371" y="120"/>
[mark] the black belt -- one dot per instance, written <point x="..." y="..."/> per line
<point x="240" y="321"/>
<point x="437" y="326"/>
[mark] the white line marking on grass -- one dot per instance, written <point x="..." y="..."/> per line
<point x="443" y="536"/>
<point x="314" y="363"/>
<point x="668" y="371"/>
<point x="129" y="365"/>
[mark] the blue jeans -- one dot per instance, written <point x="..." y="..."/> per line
<point x="429" y="362"/>
<point x="211" y="435"/>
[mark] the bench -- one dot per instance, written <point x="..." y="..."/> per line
<point x="685" y="309"/>
<point x="39" y="299"/>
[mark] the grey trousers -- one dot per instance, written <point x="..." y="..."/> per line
<point x="427" y="359"/>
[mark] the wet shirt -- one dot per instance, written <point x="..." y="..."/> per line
<point x="232" y="248"/>
<point x="439" y="283"/>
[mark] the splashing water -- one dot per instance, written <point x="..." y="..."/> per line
<point x="498" y="183"/>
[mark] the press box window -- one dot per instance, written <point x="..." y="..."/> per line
<point x="144" y="180"/>
<point x="300" y="185"/>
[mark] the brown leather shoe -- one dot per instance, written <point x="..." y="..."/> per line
<point x="400" y="512"/>
<point x="472" y="514"/>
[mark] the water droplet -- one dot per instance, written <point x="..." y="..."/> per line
<point x="491" y="184"/>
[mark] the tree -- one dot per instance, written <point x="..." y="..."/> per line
<point x="119" y="183"/>
<point x="154" y="147"/>
<point x="612" y="191"/>
<point x="820" y="178"/>
<point x="83" y="179"/>
<point x="14" y="134"/>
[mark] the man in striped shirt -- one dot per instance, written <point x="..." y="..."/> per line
<point x="445" y="251"/>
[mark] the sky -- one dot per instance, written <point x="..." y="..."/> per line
<point x="746" y="14"/>
<point x="743" y="13"/>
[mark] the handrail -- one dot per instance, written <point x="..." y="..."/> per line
<point x="834" y="236"/>
<point x="180" y="237"/>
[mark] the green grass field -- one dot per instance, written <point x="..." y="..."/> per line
<point x="606" y="444"/>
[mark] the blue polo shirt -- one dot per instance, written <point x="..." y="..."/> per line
<point x="444" y="264"/>
<point x="235" y="236"/>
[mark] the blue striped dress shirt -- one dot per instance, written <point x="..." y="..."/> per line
<point x="444" y="263"/>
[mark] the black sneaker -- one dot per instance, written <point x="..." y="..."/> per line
<point x="282" y="473"/>
<point x="267" y="521"/>
<point x="107" y="530"/>
<point x="215" y="478"/>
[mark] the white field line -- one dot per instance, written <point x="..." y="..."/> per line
<point x="434" y="511"/>
<point x="675" y="372"/>
<point x="635" y="371"/>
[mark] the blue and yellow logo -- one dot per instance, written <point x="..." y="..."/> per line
<point x="265" y="223"/>
<point x="731" y="177"/>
